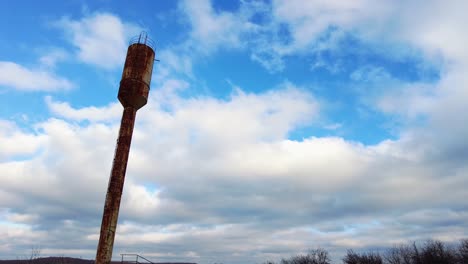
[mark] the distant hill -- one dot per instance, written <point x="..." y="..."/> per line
<point x="66" y="260"/>
<point x="49" y="260"/>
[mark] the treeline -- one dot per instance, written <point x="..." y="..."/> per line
<point x="430" y="252"/>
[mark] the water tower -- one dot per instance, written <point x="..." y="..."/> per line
<point x="133" y="94"/>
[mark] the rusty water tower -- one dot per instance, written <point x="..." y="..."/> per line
<point x="133" y="94"/>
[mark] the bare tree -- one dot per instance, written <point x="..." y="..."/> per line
<point x="416" y="257"/>
<point x="399" y="255"/>
<point x="364" y="258"/>
<point x="315" y="256"/>
<point x="431" y="252"/>
<point x="435" y="252"/>
<point x="463" y="252"/>
<point x="35" y="253"/>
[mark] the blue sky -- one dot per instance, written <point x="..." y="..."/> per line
<point x="272" y="127"/>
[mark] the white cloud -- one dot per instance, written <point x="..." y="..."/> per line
<point x="371" y="74"/>
<point x="101" y="39"/>
<point x="299" y="28"/>
<point x="174" y="63"/>
<point x="333" y="126"/>
<point x="307" y="20"/>
<point x="22" y="218"/>
<point x="63" y="109"/>
<point x="436" y="27"/>
<point x="287" y="27"/>
<point x="30" y="79"/>
<point x="271" y="61"/>
<point x="211" y="29"/>
<point x="410" y="101"/>
<point x="53" y="56"/>
<point x="209" y="175"/>
<point x="14" y="142"/>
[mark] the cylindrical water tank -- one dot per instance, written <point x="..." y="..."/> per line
<point x="136" y="76"/>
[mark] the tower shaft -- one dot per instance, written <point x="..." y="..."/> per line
<point x="115" y="187"/>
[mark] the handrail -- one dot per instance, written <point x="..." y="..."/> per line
<point x="136" y="258"/>
<point x="142" y="39"/>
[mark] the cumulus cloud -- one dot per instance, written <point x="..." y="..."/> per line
<point x="211" y="29"/>
<point x="11" y="134"/>
<point x="285" y="28"/>
<point x="64" y="110"/>
<point x="101" y="39"/>
<point x="437" y="28"/>
<point x="52" y="57"/>
<point x="31" y="79"/>
<point x="207" y="175"/>
<point x="175" y="64"/>
<point x="307" y="20"/>
<point x="296" y="28"/>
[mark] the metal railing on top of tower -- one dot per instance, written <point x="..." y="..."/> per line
<point x="142" y="39"/>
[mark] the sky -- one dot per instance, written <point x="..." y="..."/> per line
<point x="272" y="127"/>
